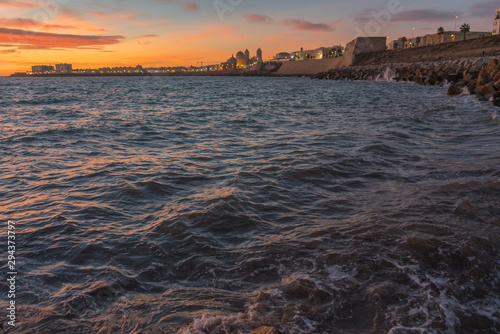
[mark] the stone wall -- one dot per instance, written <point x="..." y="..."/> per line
<point x="356" y="47"/>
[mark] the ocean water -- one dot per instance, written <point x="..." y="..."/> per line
<point x="216" y="205"/>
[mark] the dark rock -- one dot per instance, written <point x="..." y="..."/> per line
<point x="497" y="85"/>
<point x="452" y="77"/>
<point x="492" y="68"/>
<point x="496" y="77"/>
<point x="456" y="89"/>
<point x="468" y="77"/>
<point x="483" y="77"/>
<point x="472" y="86"/>
<point x="488" y="90"/>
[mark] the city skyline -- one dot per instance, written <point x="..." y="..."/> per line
<point x="92" y="34"/>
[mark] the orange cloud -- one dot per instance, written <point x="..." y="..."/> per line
<point x="43" y="39"/>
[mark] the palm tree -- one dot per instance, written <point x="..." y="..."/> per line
<point x="403" y="39"/>
<point x="441" y="34"/>
<point x="465" y="28"/>
<point x="396" y="45"/>
<point x="418" y="41"/>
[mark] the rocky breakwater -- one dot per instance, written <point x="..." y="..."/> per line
<point x="486" y="85"/>
<point x="467" y="76"/>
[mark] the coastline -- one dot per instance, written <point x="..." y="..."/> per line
<point x="470" y="66"/>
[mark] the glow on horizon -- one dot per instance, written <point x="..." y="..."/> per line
<point x="92" y="34"/>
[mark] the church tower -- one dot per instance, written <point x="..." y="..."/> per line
<point x="259" y="55"/>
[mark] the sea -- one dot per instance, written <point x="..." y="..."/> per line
<point x="192" y="205"/>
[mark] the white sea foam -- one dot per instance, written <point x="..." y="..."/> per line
<point x="387" y="75"/>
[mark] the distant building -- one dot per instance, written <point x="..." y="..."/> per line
<point x="42" y="69"/>
<point x="433" y="39"/>
<point x="64" y="68"/>
<point x="241" y="60"/>
<point x="496" y="22"/>
<point x="282" y="57"/>
<point x="259" y="55"/>
<point x="319" y="53"/>
<point x="230" y="64"/>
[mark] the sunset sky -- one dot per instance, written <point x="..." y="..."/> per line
<point x="92" y="33"/>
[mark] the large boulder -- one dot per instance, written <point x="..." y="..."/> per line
<point x="472" y="86"/>
<point x="488" y="90"/>
<point x="456" y="89"/>
<point x="492" y="68"/>
<point x="483" y="77"/>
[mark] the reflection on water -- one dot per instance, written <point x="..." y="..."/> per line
<point x="216" y="205"/>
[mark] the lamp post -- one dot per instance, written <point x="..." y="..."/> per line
<point x="455" y="31"/>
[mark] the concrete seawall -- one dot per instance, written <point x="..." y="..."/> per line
<point x="308" y="67"/>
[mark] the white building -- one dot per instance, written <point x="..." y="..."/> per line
<point x="42" y="69"/>
<point x="64" y="68"/>
<point x="496" y="22"/>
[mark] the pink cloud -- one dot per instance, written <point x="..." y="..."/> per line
<point x="190" y="7"/>
<point x="29" y="23"/>
<point x="308" y="26"/>
<point x="148" y="36"/>
<point x="10" y="4"/>
<point x="255" y="18"/>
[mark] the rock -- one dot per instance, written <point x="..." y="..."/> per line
<point x="496" y="77"/>
<point x="488" y="90"/>
<point x="452" y="77"/>
<point x="456" y="89"/>
<point x="468" y="77"/>
<point x="472" y="86"/>
<point x="266" y="330"/>
<point x="483" y="77"/>
<point x="497" y="85"/>
<point x="492" y="68"/>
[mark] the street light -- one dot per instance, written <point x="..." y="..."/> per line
<point x="455" y="31"/>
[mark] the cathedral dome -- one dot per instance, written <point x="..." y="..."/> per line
<point x="241" y="60"/>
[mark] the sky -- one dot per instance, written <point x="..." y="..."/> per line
<point x="155" y="33"/>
